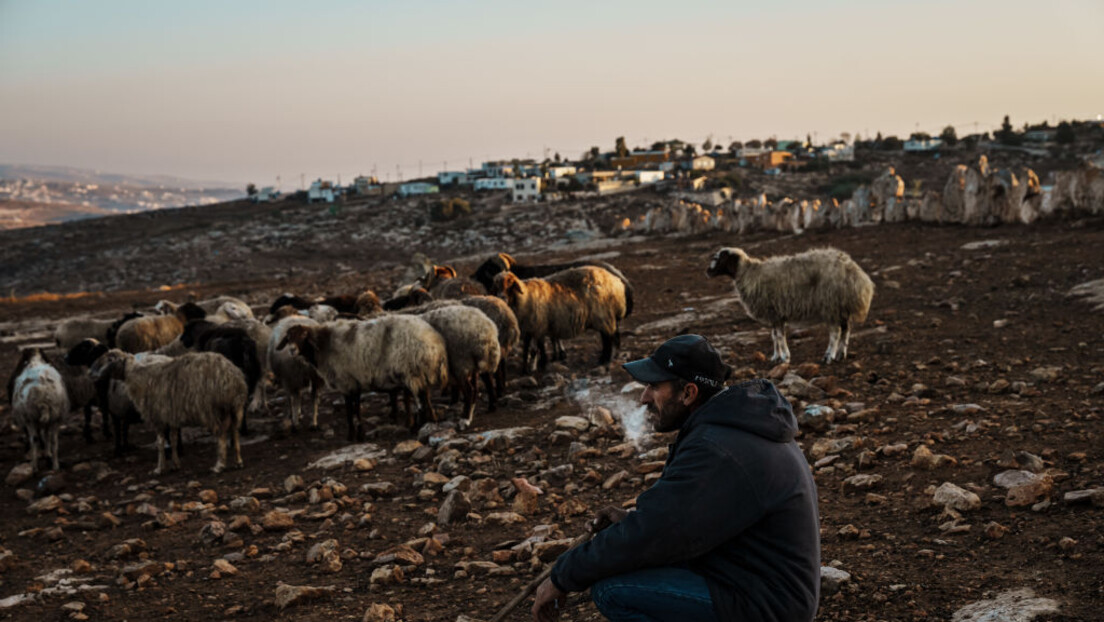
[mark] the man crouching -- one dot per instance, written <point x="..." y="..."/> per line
<point x="729" y="532"/>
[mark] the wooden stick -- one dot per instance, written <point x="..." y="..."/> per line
<point x="535" y="583"/>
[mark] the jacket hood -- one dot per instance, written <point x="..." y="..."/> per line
<point x="754" y="406"/>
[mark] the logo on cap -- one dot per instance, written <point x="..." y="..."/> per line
<point x="670" y="363"/>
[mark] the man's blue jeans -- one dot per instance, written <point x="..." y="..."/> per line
<point x="665" y="594"/>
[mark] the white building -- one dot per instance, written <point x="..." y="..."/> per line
<point x="417" y="187"/>
<point x="448" y="178"/>
<point x="266" y="194"/>
<point x="560" y="170"/>
<point x="494" y="183"/>
<point x="838" y="152"/>
<point x="648" y="177"/>
<point x="320" y="191"/>
<point x="930" y="144"/>
<point x="702" y="163"/>
<point x="526" y="190"/>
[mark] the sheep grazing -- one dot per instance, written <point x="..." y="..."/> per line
<point x="218" y="310"/>
<point x="79" y="389"/>
<point x="565" y="304"/>
<point x="471" y="340"/>
<point x="72" y="331"/>
<point x="147" y="333"/>
<point x="197" y="389"/>
<point x="233" y="342"/>
<point x="368" y="303"/>
<point x="823" y="285"/>
<point x="349" y="304"/>
<point x="409" y="296"/>
<point x="392" y="352"/>
<point x="292" y="372"/>
<point x="39" y="403"/>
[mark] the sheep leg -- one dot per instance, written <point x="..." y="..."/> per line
<point x="244" y="425"/>
<point x="469" y="388"/>
<point x="500" y="376"/>
<point x="176" y="443"/>
<point x="774" y="345"/>
<point x="394" y="397"/>
<point x="223" y="429"/>
<point x="352" y="415"/>
<point x="525" y="342"/>
<point x="88" y="423"/>
<point x="841" y="349"/>
<point x="542" y="356"/>
<point x="833" y="343"/>
<point x="607" y="349"/>
<point x="558" y="351"/>
<point x="295" y="401"/>
<point x="235" y="442"/>
<point x="492" y="396"/>
<point x="784" y="347"/>
<point x="34" y="449"/>
<point x="314" y="406"/>
<point x="427" y="406"/>
<point x="161" y="452"/>
<point x="52" y="441"/>
<point x="407" y="397"/>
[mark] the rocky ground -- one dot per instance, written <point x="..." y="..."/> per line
<point x="957" y="453"/>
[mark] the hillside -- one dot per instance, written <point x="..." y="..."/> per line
<point x="974" y="350"/>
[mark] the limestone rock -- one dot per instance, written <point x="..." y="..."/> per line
<point x="862" y="481"/>
<point x="923" y="458"/>
<point x="1013" y="606"/>
<point x="387" y="575"/>
<point x="455" y="507"/>
<point x="951" y="496"/>
<point x="569" y="422"/>
<point x="291" y="595"/>
<point x="1029" y="492"/>
<point x="225" y="567"/>
<point x="832" y="579"/>
<point x="504" y="518"/>
<point x="19" y="474"/>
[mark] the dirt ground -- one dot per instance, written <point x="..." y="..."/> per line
<point x="948" y="324"/>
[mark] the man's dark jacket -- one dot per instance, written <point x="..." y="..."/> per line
<point x="736" y="504"/>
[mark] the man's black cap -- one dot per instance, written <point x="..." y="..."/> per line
<point x="689" y="357"/>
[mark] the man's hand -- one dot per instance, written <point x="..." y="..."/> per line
<point x="548" y="601"/>
<point x="605" y="517"/>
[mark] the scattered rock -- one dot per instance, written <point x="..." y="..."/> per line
<point x="832" y="579"/>
<point x="951" y="496"/>
<point x="455" y="507"/>
<point x="504" y="518"/>
<point x="277" y="520"/>
<point x="1029" y="492"/>
<point x="379" y="612"/>
<point x="45" y="504"/>
<point x="569" y="422"/>
<point x="387" y="575"/>
<point x="1046" y="374"/>
<point x="19" y="474"/>
<point x="290" y="595"/>
<point x="862" y="481"/>
<point x="995" y="530"/>
<point x="224" y="567"/>
<point x="1014" y="606"/>
<point x="126" y="548"/>
<point x="293" y="483"/>
<point x="923" y="458"/>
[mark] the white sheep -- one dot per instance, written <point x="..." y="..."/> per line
<point x="39" y="403"/>
<point x="292" y="372"/>
<point x="564" y="304"/>
<point x="392" y="352"/>
<point x="822" y="285"/>
<point x="471" y="340"/>
<point x="197" y="389"/>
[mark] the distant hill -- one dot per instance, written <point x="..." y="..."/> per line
<point x="33" y="195"/>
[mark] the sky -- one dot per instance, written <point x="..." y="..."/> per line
<point x="246" y="91"/>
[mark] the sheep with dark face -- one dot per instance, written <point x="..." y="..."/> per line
<point x="197" y="389"/>
<point x="443" y="282"/>
<point x="823" y="285"/>
<point x="291" y="372"/>
<point x="111" y="394"/>
<point x="39" y="403"/>
<point x="565" y="304"/>
<point x="392" y="352"/>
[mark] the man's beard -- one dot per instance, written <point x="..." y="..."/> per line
<point x="670" y="418"/>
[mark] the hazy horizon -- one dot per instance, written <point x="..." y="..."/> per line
<point x="246" y="91"/>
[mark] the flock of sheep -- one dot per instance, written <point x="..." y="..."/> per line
<point x="207" y="363"/>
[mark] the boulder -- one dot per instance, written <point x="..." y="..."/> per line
<point x="951" y="496"/>
<point x="292" y="595"/>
